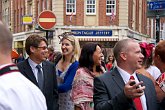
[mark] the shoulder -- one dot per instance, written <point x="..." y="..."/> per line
<point x="23" y="63"/>
<point x="74" y="65"/>
<point x="11" y="91"/>
<point x="145" y="79"/>
<point x="82" y="73"/>
<point x="141" y="76"/>
<point x="106" y="76"/>
<point x="156" y="70"/>
<point x="48" y="63"/>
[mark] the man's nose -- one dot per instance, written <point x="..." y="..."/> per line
<point x="142" y="56"/>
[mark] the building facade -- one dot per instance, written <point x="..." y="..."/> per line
<point x="5" y="12"/>
<point x="103" y="21"/>
<point x="24" y="16"/>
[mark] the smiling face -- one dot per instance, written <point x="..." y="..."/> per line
<point x="66" y="47"/>
<point x="40" y="52"/>
<point x="97" y="56"/>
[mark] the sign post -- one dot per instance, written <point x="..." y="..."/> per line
<point x="157" y="28"/>
<point x="46" y="20"/>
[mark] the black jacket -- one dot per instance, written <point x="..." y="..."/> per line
<point x="50" y="81"/>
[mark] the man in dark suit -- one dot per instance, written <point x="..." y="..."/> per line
<point x="122" y="88"/>
<point x="39" y="71"/>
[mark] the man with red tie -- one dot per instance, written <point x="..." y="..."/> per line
<point x="122" y="88"/>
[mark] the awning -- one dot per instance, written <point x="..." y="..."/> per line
<point x="98" y="39"/>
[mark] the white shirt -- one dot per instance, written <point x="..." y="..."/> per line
<point x="154" y="71"/>
<point x="34" y="69"/>
<point x="126" y="78"/>
<point x="18" y="93"/>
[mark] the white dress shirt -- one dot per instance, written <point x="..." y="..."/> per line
<point x="154" y="71"/>
<point x="126" y="78"/>
<point x="18" y="93"/>
<point x="34" y="69"/>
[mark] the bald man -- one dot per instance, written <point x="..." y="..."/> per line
<point x="16" y="92"/>
<point x="122" y="88"/>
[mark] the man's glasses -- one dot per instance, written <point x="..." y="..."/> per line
<point x="43" y="48"/>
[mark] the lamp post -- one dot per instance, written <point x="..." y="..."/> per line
<point x="157" y="28"/>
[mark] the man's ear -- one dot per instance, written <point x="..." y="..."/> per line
<point x="123" y="56"/>
<point x="32" y="49"/>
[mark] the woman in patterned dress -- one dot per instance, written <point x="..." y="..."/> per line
<point x="82" y="89"/>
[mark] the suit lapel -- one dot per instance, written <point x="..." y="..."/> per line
<point x="117" y="78"/>
<point x="146" y="90"/>
<point x="29" y="73"/>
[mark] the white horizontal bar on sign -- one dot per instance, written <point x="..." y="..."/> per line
<point x="47" y="20"/>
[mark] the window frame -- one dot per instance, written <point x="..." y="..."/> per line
<point x="30" y="7"/>
<point x="112" y="6"/>
<point x="72" y="7"/>
<point x="91" y="13"/>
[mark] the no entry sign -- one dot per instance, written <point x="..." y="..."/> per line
<point x="46" y="19"/>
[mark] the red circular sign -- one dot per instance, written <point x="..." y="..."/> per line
<point x="47" y="19"/>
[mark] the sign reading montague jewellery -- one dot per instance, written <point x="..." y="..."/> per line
<point x="92" y="32"/>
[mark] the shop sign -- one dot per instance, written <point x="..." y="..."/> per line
<point x="27" y="19"/>
<point x="19" y="38"/>
<point x="92" y="32"/>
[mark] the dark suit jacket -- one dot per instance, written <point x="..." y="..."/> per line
<point x="50" y="81"/>
<point x="109" y="93"/>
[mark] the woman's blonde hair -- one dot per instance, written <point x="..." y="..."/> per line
<point x="75" y="43"/>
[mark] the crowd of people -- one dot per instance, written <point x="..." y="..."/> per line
<point x="77" y="78"/>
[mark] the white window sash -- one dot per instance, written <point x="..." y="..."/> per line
<point x="111" y="7"/>
<point x="91" y="7"/>
<point x="71" y="6"/>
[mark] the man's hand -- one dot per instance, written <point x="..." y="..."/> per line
<point x="133" y="90"/>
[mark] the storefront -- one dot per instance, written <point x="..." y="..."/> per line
<point x="104" y="35"/>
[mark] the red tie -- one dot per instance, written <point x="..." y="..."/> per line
<point x="137" y="100"/>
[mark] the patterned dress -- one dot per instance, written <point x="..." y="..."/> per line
<point x="65" y="102"/>
<point x="82" y="89"/>
<point x="65" y="80"/>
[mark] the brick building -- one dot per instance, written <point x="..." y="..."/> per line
<point x="22" y="10"/>
<point x="121" y="18"/>
<point x="103" y="21"/>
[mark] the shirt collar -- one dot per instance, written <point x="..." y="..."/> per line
<point x="33" y="64"/>
<point x="2" y="66"/>
<point x="125" y="75"/>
